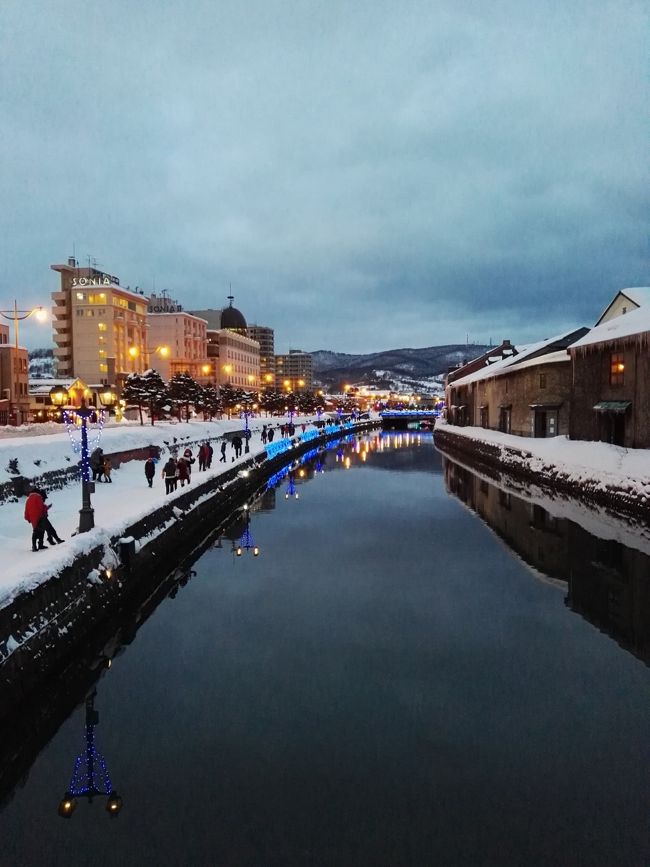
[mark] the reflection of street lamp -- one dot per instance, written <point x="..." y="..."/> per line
<point x="89" y="776"/>
<point x="18" y="315"/>
<point x="291" y="488"/>
<point x="246" y="542"/>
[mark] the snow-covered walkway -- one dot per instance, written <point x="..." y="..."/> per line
<point x="117" y="505"/>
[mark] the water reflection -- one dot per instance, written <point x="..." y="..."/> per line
<point x="606" y="581"/>
<point x="90" y="777"/>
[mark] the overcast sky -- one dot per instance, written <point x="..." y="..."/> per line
<point x="366" y="174"/>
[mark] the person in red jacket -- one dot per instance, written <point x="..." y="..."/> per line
<point x="35" y="514"/>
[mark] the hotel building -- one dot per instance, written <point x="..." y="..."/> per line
<point x="100" y="328"/>
<point x="183" y="335"/>
<point x="295" y="371"/>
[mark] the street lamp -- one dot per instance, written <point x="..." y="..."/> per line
<point x="89" y="776"/>
<point x="86" y="513"/>
<point x="59" y="396"/>
<point x="247" y="407"/>
<point x="135" y="352"/>
<point x="108" y="397"/>
<point x="17" y="316"/>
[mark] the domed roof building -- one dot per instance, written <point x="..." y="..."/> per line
<point x="232" y="318"/>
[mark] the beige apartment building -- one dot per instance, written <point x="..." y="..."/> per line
<point x="185" y="338"/>
<point x="235" y="359"/>
<point x="100" y="328"/>
<point x="14" y="388"/>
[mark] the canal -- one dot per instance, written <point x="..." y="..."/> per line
<point x="419" y="668"/>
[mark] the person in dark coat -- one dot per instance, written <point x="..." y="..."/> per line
<point x="271" y="434"/>
<point x="53" y="537"/>
<point x="169" y="475"/>
<point x="150" y="471"/>
<point x="210" y="453"/>
<point x="237" y="444"/>
<point x="264" y="437"/>
<point x="183" y="468"/>
<point x="35" y="513"/>
<point x="222" y="459"/>
<point x="96" y="462"/>
<point x="203" y="456"/>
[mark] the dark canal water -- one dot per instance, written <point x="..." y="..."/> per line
<point x="387" y="684"/>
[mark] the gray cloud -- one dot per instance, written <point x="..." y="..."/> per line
<point x="365" y="175"/>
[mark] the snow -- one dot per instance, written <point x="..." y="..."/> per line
<point x="639" y="294"/>
<point x="498" y="367"/>
<point x="117" y="505"/>
<point x="599" y="465"/>
<point x="636" y="322"/>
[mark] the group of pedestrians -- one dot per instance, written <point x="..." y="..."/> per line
<point x="177" y="470"/>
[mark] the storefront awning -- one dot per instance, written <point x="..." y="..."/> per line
<point x="613" y="405"/>
<point x="544" y="405"/>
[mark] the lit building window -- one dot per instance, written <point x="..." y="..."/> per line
<point x="617" y="369"/>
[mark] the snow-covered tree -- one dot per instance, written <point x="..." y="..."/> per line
<point x="183" y="391"/>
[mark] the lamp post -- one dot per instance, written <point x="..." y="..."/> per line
<point x="135" y="351"/>
<point x="17" y="316"/>
<point x="89" y="776"/>
<point x="86" y="513"/>
<point x="247" y="407"/>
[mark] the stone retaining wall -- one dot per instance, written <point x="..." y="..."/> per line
<point x="549" y="478"/>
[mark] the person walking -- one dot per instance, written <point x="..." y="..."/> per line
<point x="53" y="537"/>
<point x="237" y="444"/>
<point x="271" y="434"/>
<point x="189" y="460"/>
<point x="169" y="475"/>
<point x="222" y="459"/>
<point x="203" y="456"/>
<point x="107" y="466"/>
<point x="264" y="437"/>
<point x="35" y="513"/>
<point x="210" y="453"/>
<point x="183" y="467"/>
<point x="150" y="471"/>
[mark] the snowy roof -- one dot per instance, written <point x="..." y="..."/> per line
<point x="502" y="366"/>
<point x="627" y="325"/>
<point x="639" y="294"/>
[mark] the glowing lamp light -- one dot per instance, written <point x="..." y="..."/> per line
<point x="134" y="351"/>
<point x="620" y="367"/>
<point x="256" y="551"/>
<point x="41" y="314"/>
<point x="113" y="804"/>
<point x="67" y="806"/>
<point x="163" y="351"/>
<point x="238" y="552"/>
<point x="205" y="369"/>
<point x="59" y="396"/>
<point x="108" y="397"/>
